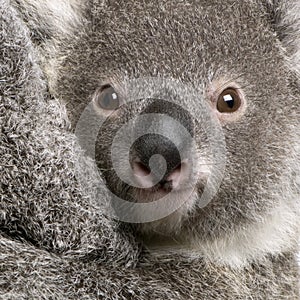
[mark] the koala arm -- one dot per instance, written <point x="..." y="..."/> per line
<point x="29" y="273"/>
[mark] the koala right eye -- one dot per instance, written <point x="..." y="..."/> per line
<point x="229" y="101"/>
<point x="107" y="98"/>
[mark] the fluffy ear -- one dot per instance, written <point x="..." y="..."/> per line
<point x="284" y="16"/>
<point x="48" y="18"/>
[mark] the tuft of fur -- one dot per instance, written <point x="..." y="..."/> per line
<point x="284" y="17"/>
<point x="55" y="240"/>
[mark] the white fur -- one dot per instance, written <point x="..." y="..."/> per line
<point x="293" y="16"/>
<point x="272" y="235"/>
<point x="63" y="14"/>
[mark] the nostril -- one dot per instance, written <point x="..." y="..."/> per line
<point x="142" y="174"/>
<point x="175" y="173"/>
<point x="178" y="174"/>
<point x="170" y="181"/>
<point x="140" y="169"/>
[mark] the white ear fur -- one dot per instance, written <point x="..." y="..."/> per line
<point x="49" y="18"/>
<point x="49" y="21"/>
<point x="285" y="18"/>
<point x="291" y="25"/>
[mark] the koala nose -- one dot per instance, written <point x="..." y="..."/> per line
<point x="157" y="160"/>
<point x="163" y="159"/>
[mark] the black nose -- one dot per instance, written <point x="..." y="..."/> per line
<point x="154" y="144"/>
<point x="171" y="151"/>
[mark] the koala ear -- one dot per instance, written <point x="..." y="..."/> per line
<point x="284" y="16"/>
<point x="48" y="19"/>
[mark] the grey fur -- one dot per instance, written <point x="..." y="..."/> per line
<point x="55" y="240"/>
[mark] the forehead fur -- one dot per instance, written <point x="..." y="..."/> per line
<point x="193" y="41"/>
<point x="179" y="38"/>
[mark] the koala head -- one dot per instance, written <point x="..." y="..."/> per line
<point x="211" y="94"/>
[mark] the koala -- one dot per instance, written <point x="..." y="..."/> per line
<point x="202" y="54"/>
<point x="190" y="112"/>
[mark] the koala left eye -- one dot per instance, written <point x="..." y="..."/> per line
<point x="107" y="98"/>
<point x="229" y="101"/>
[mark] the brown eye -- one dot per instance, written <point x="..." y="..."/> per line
<point x="107" y="98"/>
<point x="229" y="101"/>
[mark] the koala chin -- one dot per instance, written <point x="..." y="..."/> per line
<point x="229" y="75"/>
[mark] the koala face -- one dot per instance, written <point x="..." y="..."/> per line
<point x="221" y="60"/>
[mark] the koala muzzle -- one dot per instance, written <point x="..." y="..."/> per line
<point x="161" y="158"/>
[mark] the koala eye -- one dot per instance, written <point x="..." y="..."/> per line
<point x="229" y="101"/>
<point x="107" y="98"/>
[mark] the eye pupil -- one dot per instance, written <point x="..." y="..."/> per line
<point x="108" y="98"/>
<point x="229" y="101"/>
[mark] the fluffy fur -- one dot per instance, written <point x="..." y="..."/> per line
<point x="55" y="240"/>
